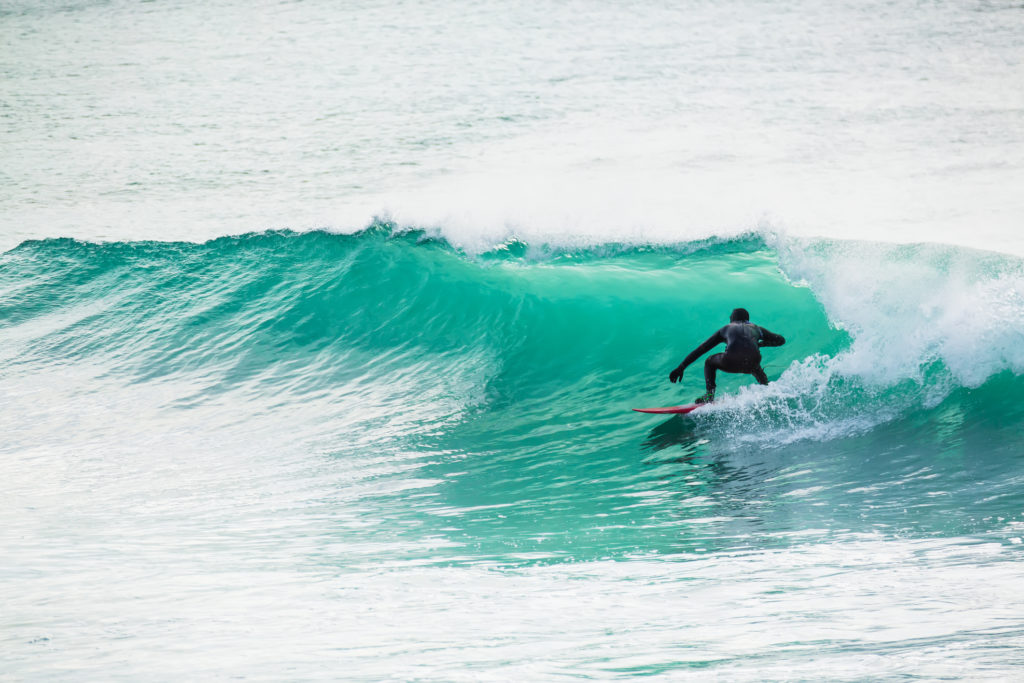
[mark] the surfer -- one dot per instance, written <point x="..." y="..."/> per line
<point x="743" y="341"/>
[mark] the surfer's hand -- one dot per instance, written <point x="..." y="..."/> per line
<point x="675" y="375"/>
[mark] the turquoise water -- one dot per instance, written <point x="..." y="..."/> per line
<point x="321" y="323"/>
<point x="321" y="443"/>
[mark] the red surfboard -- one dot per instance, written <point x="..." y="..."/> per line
<point x="674" y="410"/>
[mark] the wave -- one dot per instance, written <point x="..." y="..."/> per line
<point x="521" y="340"/>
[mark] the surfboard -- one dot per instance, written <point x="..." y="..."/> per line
<point x="673" y="410"/>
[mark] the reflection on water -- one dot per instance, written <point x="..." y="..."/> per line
<point x="678" y="430"/>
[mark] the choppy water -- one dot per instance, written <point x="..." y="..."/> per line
<point x="400" y="446"/>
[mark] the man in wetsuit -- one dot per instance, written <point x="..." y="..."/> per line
<point x="743" y="341"/>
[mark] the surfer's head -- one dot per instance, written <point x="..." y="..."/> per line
<point x="739" y="315"/>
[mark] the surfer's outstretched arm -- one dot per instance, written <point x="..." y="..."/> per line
<point x="770" y="338"/>
<point x="713" y="341"/>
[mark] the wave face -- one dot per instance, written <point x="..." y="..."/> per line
<point x="383" y="401"/>
<point x="531" y="357"/>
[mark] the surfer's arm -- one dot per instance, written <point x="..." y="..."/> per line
<point x="770" y="338"/>
<point x="713" y="341"/>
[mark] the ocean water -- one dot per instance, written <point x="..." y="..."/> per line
<point x="320" y="326"/>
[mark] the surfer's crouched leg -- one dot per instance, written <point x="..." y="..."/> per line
<point x="711" y="366"/>
<point x="759" y="375"/>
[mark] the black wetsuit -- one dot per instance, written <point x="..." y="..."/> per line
<point x="743" y="342"/>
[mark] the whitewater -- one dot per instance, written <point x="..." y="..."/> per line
<point x="320" y="326"/>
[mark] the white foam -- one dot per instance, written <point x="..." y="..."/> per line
<point x="909" y="307"/>
<point x="594" y="183"/>
<point x="924" y="320"/>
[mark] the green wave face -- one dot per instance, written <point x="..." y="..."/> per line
<point x="504" y="381"/>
